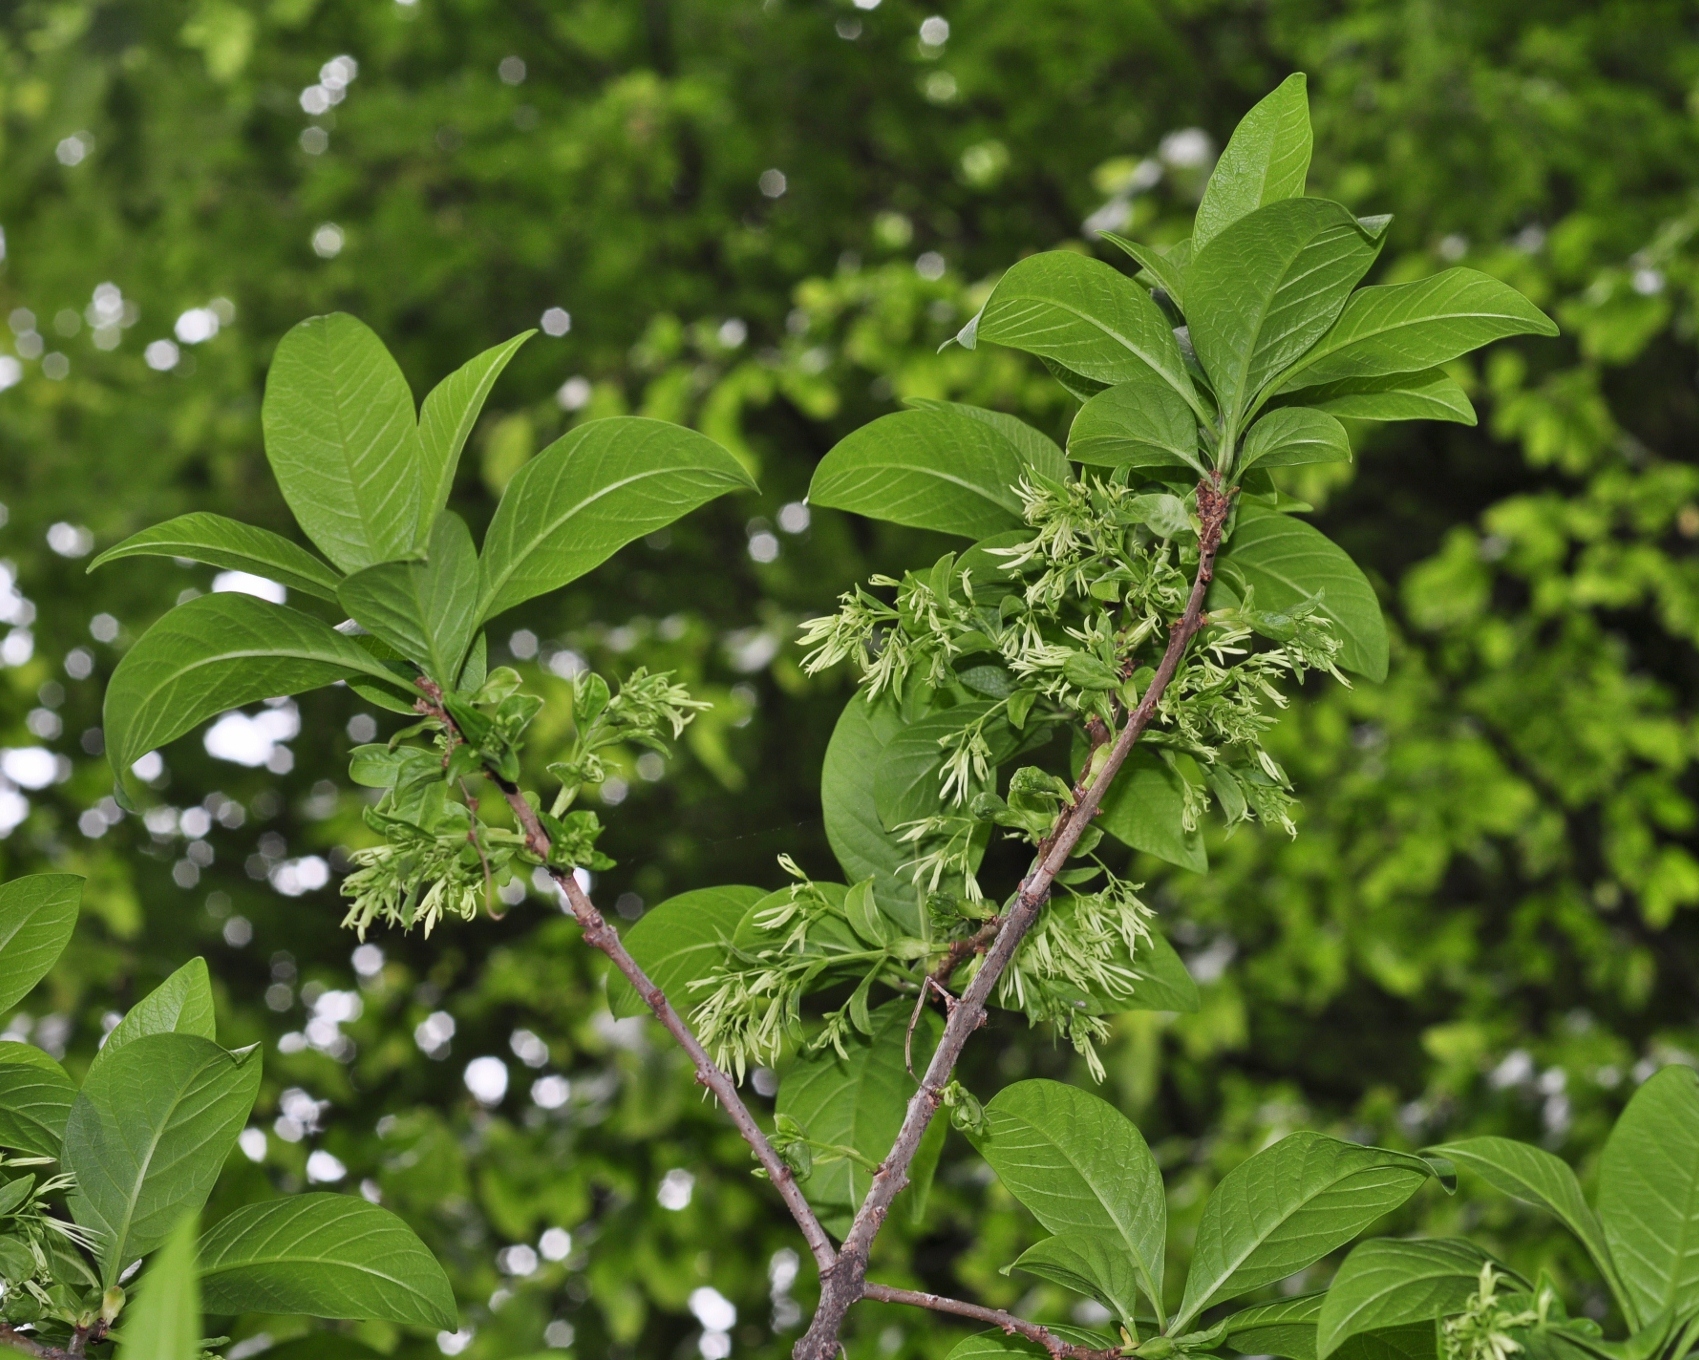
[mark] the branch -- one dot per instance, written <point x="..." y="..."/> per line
<point x="1014" y="1326"/>
<point x="28" y="1345"/>
<point x="845" y="1281"/>
<point x="604" y="937"/>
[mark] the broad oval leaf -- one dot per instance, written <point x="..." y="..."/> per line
<point x="329" y="1256"/>
<point x="164" y="1321"/>
<point x="228" y="543"/>
<point x="1286" y="1208"/>
<point x="1287" y="561"/>
<point x="1649" y="1193"/>
<point x="679" y="941"/>
<point x="857" y="1102"/>
<point x="426" y="610"/>
<point x="928" y="469"/>
<point x="1267" y="158"/>
<point x="148" y="1135"/>
<point x="1294" y="435"/>
<point x="1286" y="1328"/>
<point x="1037" y="449"/>
<point x="37" y="915"/>
<point x="1387" y="1283"/>
<point x="1144" y="809"/>
<point x="1405" y="327"/>
<point x="1139" y="423"/>
<point x="35" y="1100"/>
<point x="591" y="492"/>
<point x="907" y="781"/>
<point x="1536" y="1177"/>
<point x="446" y="418"/>
<point x="182" y="1004"/>
<point x="1429" y="395"/>
<point x="1095" y="1264"/>
<point x="1089" y="318"/>
<point x="1080" y="1165"/>
<point x="342" y="441"/>
<point x="847" y="804"/>
<point x="216" y="653"/>
<point x="1266" y="289"/>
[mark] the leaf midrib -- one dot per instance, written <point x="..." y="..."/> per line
<point x="1185" y="392"/>
<point x="494" y="587"/>
<point x="1121" y="1228"/>
<point x="1189" y="1312"/>
<point x="134" y="1196"/>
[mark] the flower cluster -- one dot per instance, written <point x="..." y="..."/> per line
<point x="438" y="855"/>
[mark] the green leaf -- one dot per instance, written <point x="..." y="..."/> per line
<point x="1267" y="158"/>
<point x="1405" y="327"/>
<point x="995" y="1344"/>
<point x="37" y="915"/>
<point x="426" y="610"/>
<point x="591" y="492"/>
<point x="1294" y="435"/>
<point x="1287" y="561"/>
<point x="1089" y="318"/>
<point x="1286" y="1208"/>
<point x="1429" y="395"/>
<point x="1037" y="449"/>
<point x="1143" y="809"/>
<point x="1287" y="1328"/>
<point x="228" y="543"/>
<point x="1413" y="1341"/>
<point x="336" y="1346"/>
<point x="182" y="1004"/>
<point x="1265" y="290"/>
<point x="1536" y="1177"/>
<point x="847" y="804"/>
<point x="1167" y="270"/>
<point x="446" y="419"/>
<point x="1095" y="1264"/>
<point x="1080" y="1166"/>
<point x="1139" y="423"/>
<point x="329" y="1256"/>
<point x="216" y="653"/>
<point x="164" y="1322"/>
<point x="35" y="1099"/>
<point x="1649" y="1193"/>
<point x="857" y="1102"/>
<point x="927" y="469"/>
<point x="148" y="1135"/>
<point x="1164" y="983"/>
<point x="679" y="941"/>
<point x="1387" y="1283"/>
<point x="907" y="777"/>
<point x="340" y="434"/>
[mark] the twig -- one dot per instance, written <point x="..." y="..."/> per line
<point x="930" y="985"/>
<point x="599" y="934"/>
<point x="845" y="1281"/>
<point x="1014" y="1326"/>
<point x="28" y="1345"/>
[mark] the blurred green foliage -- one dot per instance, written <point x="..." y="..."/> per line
<point x="1487" y="923"/>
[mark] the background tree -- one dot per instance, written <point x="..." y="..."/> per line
<point x="1485" y="926"/>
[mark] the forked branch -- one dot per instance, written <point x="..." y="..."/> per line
<point x="602" y="936"/>
<point x="845" y="1281"/>
<point x="843" y="1274"/>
